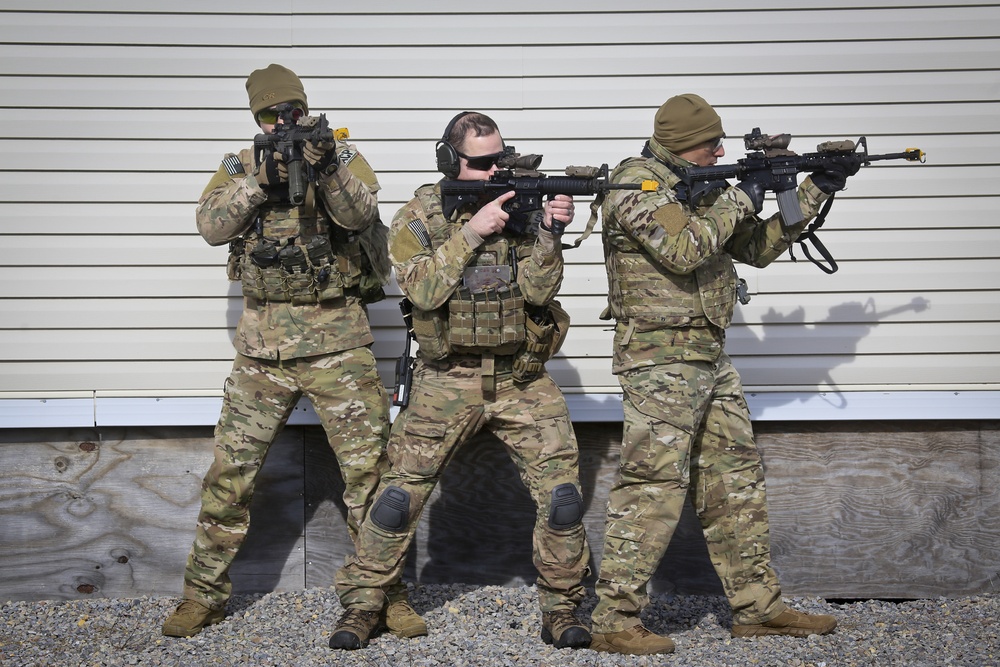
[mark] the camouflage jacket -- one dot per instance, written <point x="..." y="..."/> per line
<point x="233" y="208"/>
<point x="672" y="283"/>
<point x="430" y="254"/>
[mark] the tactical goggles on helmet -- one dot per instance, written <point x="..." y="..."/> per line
<point x="482" y="162"/>
<point x="270" y="116"/>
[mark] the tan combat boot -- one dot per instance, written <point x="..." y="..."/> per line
<point x="563" y="629"/>
<point x="355" y="628"/>
<point x="636" y="640"/>
<point x="789" y="622"/>
<point x="189" y="618"/>
<point x="403" y="621"/>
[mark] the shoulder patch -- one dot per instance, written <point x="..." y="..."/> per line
<point x="420" y="231"/>
<point x="671" y="218"/>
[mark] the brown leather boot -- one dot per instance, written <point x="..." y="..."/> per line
<point x="636" y="640"/>
<point x="789" y="622"/>
<point x="189" y="618"/>
<point x="355" y="628"/>
<point x="403" y="621"/>
<point x="563" y="629"/>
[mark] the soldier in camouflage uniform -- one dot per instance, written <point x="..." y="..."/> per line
<point x="304" y="330"/>
<point x="483" y="318"/>
<point x="687" y="431"/>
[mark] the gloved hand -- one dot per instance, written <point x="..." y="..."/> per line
<point x="320" y="155"/>
<point x="271" y="171"/>
<point x="834" y="177"/>
<point x="755" y="191"/>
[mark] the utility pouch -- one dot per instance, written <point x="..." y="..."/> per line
<point x="530" y="358"/>
<point x="430" y="329"/>
<point x="260" y="277"/>
<point x="298" y="276"/>
<point x="488" y="319"/>
<point x="327" y="281"/>
<point x="234" y="264"/>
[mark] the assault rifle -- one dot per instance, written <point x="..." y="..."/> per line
<point x="519" y="173"/>
<point x="404" y="365"/>
<point x="288" y="138"/>
<point x="770" y="164"/>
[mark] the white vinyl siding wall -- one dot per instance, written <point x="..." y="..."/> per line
<point x="114" y="115"/>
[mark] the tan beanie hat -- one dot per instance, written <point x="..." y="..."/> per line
<point x="685" y="121"/>
<point x="273" y="85"/>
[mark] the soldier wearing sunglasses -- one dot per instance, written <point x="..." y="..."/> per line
<point x="304" y="331"/>
<point x="486" y="321"/>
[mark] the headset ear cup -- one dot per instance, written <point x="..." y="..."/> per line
<point x="447" y="159"/>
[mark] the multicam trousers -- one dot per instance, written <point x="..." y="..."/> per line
<point x="347" y="394"/>
<point x="687" y="432"/>
<point x="446" y="409"/>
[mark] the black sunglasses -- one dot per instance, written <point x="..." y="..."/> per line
<point x="482" y="162"/>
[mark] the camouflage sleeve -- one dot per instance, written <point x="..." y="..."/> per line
<point x="349" y="192"/>
<point x="228" y="206"/>
<point x="675" y="236"/>
<point x="426" y="276"/>
<point x="759" y="242"/>
<point x="541" y="273"/>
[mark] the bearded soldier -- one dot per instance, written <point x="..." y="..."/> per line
<point x="687" y="431"/>
<point x="485" y="319"/>
<point x="306" y="269"/>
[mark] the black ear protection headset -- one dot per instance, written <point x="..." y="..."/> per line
<point x="447" y="156"/>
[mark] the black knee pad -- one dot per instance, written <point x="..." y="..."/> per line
<point x="391" y="511"/>
<point x="566" y="510"/>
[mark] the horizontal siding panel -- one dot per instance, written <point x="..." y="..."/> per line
<point x="557" y="28"/>
<point x="22" y="187"/>
<point x="580" y="280"/>
<point x="142" y="345"/>
<point x="417" y="157"/>
<point x="853" y="244"/>
<point x="832" y="371"/>
<point x="594" y="374"/>
<point x="862" y="277"/>
<point x="521" y="128"/>
<point x="773" y="309"/>
<point x="439" y="7"/>
<point x="502" y="60"/>
<point x="913" y="214"/>
<point x="191" y="249"/>
<point x="765" y="89"/>
<point x="584" y="342"/>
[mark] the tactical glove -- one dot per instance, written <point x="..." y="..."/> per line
<point x="755" y="191"/>
<point x="320" y="155"/>
<point x="834" y="177"/>
<point x="271" y="171"/>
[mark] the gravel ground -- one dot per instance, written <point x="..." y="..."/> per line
<point x="492" y="626"/>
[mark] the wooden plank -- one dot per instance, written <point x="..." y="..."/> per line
<point x="896" y="510"/>
<point x="111" y="513"/>
<point x="887" y="510"/>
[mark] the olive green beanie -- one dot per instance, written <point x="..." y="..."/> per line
<point x="684" y="121"/>
<point x="273" y="85"/>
